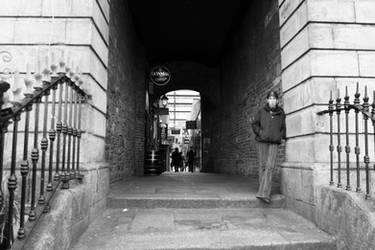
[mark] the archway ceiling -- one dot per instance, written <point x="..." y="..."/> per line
<point x="187" y="30"/>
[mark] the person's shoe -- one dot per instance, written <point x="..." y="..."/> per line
<point x="267" y="200"/>
<point x="264" y="199"/>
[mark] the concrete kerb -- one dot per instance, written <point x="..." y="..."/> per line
<point x="72" y="210"/>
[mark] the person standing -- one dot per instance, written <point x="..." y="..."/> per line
<point x="176" y="159"/>
<point x="190" y="159"/>
<point x="269" y="127"/>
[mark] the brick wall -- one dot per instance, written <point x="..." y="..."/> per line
<point x="126" y="95"/>
<point x="250" y="68"/>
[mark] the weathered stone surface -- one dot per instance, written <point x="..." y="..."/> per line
<point x="348" y="217"/>
<point x="250" y="68"/>
<point x="189" y="191"/>
<point x="71" y="213"/>
<point x="125" y="96"/>
<point x="201" y="229"/>
<point x="287" y="9"/>
<point x="331" y="10"/>
<point x="365" y="11"/>
<point x="294" y="24"/>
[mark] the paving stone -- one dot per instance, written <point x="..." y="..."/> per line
<point x="190" y="220"/>
<point x="204" y="229"/>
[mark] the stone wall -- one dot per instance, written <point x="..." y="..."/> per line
<point x="347" y="217"/>
<point x="71" y="212"/>
<point x="249" y="69"/>
<point x="79" y="29"/>
<point x="126" y="95"/>
<point x="325" y="46"/>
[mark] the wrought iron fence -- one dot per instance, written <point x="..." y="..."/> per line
<point x="60" y="143"/>
<point x="360" y="111"/>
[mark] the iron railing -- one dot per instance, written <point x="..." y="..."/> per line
<point x="62" y="165"/>
<point x="361" y="111"/>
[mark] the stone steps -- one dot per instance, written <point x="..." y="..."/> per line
<point x="189" y="201"/>
<point x="205" y="211"/>
<point x="224" y="228"/>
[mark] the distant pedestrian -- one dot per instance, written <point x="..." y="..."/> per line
<point x="269" y="128"/>
<point x="176" y="159"/>
<point x="190" y="159"/>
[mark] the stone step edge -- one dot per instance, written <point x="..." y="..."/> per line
<point x="191" y="203"/>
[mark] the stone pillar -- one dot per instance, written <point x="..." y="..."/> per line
<point x="325" y="45"/>
<point x="80" y="28"/>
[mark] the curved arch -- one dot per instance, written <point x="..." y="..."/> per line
<point x="192" y="76"/>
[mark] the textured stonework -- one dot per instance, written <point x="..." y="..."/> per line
<point x="348" y="217"/>
<point x="125" y="96"/>
<point x="326" y="45"/>
<point x="72" y="211"/>
<point x="250" y="68"/>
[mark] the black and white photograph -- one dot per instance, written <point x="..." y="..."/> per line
<point x="187" y="124"/>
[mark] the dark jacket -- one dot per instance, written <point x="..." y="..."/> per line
<point x="176" y="158"/>
<point x="190" y="155"/>
<point x="269" y="125"/>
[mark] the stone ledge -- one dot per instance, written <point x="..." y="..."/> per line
<point x="348" y="217"/>
<point x="71" y="213"/>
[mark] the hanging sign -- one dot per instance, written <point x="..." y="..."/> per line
<point x="175" y="131"/>
<point x="191" y="124"/>
<point x="160" y="75"/>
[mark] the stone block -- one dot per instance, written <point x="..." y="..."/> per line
<point x="298" y="184"/>
<point x="346" y="216"/>
<point x="304" y="209"/>
<point x="365" y="11"/>
<point x="296" y="73"/>
<point x="360" y="37"/>
<point x="293" y="25"/>
<point x="21" y="7"/>
<point x="39" y="31"/>
<point x="78" y="228"/>
<point x="100" y="19"/>
<point x="104" y="5"/>
<point x="93" y="121"/>
<point x="80" y="31"/>
<point x="90" y="144"/>
<point x="366" y="63"/>
<point x="84" y="56"/>
<point x="302" y="122"/>
<point x="334" y="63"/>
<point x="320" y="35"/>
<point x="300" y="149"/>
<point x="77" y="9"/>
<point x="294" y="49"/>
<point x="331" y="10"/>
<point x="287" y="9"/>
<point x="99" y="95"/>
<point x="67" y="7"/>
<point x="313" y="91"/>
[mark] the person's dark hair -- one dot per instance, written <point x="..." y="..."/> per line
<point x="272" y="93"/>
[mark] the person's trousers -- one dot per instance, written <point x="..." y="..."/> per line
<point x="191" y="167"/>
<point x="267" y="154"/>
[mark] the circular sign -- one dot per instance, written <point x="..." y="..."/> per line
<point x="160" y="75"/>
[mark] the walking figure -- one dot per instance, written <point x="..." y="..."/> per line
<point x="269" y="128"/>
<point x="190" y="159"/>
<point x="176" y="159"/>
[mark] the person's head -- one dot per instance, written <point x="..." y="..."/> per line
<point x="272" y="99"/>
<point x="191" y="148"/>
<point x="176" y="149"/>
